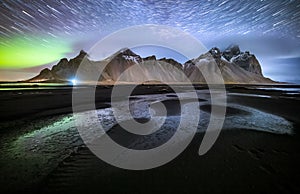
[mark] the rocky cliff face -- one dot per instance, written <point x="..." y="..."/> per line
<point x="235" y="66"/>
<point x="127" y="66"/>
<point x="64" y="70"/>
<point x="72" y="66"/>
<point x="244" y="60"/>
<point x="121" y="61"/>
<point x="231" y="51"/>
<point x="45" y="75"/>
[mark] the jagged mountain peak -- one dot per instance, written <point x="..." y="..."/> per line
<point x="172" y="62"/>
<point x="125" y="55"/>
<point x="242" y="67"/>
<point x="215" y="52"/>
<point x="231" y="51"/>
<point x="81" y="54"/>
<point x="126" y="51"/>
<point x="152" y="57"/>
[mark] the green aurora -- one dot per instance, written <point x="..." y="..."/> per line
<point x="23" y="52"/>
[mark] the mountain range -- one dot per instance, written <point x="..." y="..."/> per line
<point x="235" y="66"/>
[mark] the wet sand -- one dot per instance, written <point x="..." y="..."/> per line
<point x="239" y="162"/>
<point x="244" y="159"/>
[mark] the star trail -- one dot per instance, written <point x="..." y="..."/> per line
<point x="75" y="24"/>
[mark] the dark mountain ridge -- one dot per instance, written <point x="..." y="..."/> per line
<point x="235" y="66"/>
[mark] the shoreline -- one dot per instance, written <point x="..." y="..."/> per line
<point x="18" y="104"/>
<point x="241" y="160"/>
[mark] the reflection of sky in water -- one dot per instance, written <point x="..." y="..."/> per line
<point x="296" y="90"/>
<point x="38" y="151"/>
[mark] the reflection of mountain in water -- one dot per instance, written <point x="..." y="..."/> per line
<point x="125" y="65"/>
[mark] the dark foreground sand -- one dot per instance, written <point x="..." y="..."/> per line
<point x="241" y="161"/>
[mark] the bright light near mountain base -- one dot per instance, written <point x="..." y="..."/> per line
<point x="74" y="81"/>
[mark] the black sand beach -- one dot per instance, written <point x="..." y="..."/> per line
<point x="258" y="149"/>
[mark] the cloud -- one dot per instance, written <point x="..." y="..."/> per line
<point x="262" y="46"/>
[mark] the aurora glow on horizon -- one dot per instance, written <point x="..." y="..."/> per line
<point x="23" y="52"/>
<point x="35" y="34"/>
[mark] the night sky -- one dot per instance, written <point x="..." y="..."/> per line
<point x="37" y="33"/>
